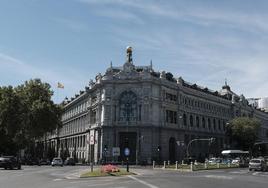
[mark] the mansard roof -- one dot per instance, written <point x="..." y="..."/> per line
<point x="130" y="71"/>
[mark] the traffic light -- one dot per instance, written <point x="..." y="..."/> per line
<point x="159" y="148"/>
<point x="105" y="148"/>
<point x="212" y="140"/>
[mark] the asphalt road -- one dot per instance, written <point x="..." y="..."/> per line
<point x="67" y="177"/>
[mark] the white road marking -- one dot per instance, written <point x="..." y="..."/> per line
<point x="263" y="174"/>
<point x="57" y="179"/>
<point x="255" y="173"/>
<point x="73" y="176"/>
<point x="219" y="177"/>
<point x="100" y="184"/>
<point x="239" y="172"/>
<point x="143" y="182"/>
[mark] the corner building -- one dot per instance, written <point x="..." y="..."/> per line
<point x="152" y="113"/>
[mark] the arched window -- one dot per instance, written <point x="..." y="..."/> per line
<point x="219" y="124"/>
<point x="128" y="106"/>
<point x="191" y="121"/>
<point x="203" y="122"/>
<point x="184" y="120"/>
<point x="214" y="124"/>
<point x="197" y="121"/>
<point x="209" y="124"/>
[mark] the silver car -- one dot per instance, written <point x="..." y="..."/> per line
<point x="257" y="164"/>
<point x="57" y="162"/>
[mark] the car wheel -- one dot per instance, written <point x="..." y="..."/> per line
<point x="19" y="167"/>
<point x="249" y="169"/>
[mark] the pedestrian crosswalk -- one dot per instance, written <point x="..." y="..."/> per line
<point x="246" y="171"/>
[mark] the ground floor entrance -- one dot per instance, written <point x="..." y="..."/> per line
<point x="128" y="140"/>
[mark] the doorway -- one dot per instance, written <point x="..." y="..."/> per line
<point x="128" y="140"/>
<point x="172" y="149"/>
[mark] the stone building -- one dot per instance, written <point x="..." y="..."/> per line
<point x="152" y="113"/>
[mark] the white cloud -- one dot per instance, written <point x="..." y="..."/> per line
<point x="22" y="71"/>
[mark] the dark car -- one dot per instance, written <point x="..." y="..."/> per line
<point x="31" y="161"/>
<point x="9" y="162"/>
<point x="44" y="162"/>
<point x="69" y="161"/>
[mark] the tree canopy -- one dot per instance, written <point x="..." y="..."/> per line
<point x="243" y="131"/>
<point x="27" y="112"/>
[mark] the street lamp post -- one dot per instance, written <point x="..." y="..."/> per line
<point x="138" y="148"/>
<point x="257" y="144"/>
<point x="159" y="150"/>
<point x="198" y="139"/>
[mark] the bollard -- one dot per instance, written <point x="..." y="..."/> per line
<point x="206" y="166"/>
<point x="168" y="163"/>
<point x="176" y="167"/>
<point x="182" y="162"/>
<point x="218" y="165"/>
<point x="195" y="162"/>
<point x="191" y="167"/>
<point x="229" y="165"/>
<point x="153" y="164"/>
<point x="164" y="164"/>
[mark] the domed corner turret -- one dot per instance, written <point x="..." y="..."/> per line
<point x="129" y="54"/>
<point x="226" y="86"/>
<point x="129" y="49"/>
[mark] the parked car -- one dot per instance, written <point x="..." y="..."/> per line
<point x="257" y="164"/>
<point x="69" y="161"/>
<point x="214" y="160"/>
<point x="31" y="161"/>
<point x="44" y="162"/>
<point x="226" y="161"/>
<point x="236" y="160"/>
<point x="57" y="162"/>
<point x="10" y="162"/>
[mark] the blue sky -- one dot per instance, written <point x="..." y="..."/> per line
<point x="70" y="41"/>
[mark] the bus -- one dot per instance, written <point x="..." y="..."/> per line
<point x="236" y="156"/>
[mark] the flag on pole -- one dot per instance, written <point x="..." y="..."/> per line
<point x="60" y="85"/>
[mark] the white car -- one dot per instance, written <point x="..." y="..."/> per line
<point x="57" y="162"/>
<point x="257" y="164"/>
<point x="236" y="161"/>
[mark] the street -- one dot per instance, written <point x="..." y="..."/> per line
<point x="67" y="177"/>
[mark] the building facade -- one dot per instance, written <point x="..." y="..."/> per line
<point x="260" y="103"/>
<point x="152" y="113"/>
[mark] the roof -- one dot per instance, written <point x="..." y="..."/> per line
<point x="233" y="151"/>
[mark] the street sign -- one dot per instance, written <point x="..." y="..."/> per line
<point x="116" y="151"/>
<point x="91" y="137"/>
<point x="126" y="152"/>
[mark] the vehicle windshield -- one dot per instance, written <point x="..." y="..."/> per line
<point x="255" y="161"/>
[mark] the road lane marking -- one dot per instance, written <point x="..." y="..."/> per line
<point x="57" y="179"/>
<point x="219" y="177"/>
<point x="143" y="182"/>
<point x="239" y="172"/>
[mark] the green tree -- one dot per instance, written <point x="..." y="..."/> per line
<point x="42" y="114"/>
<point x="12" y="119"/>
<point x="243" y="131"/>
<point x="27" y="112"/>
